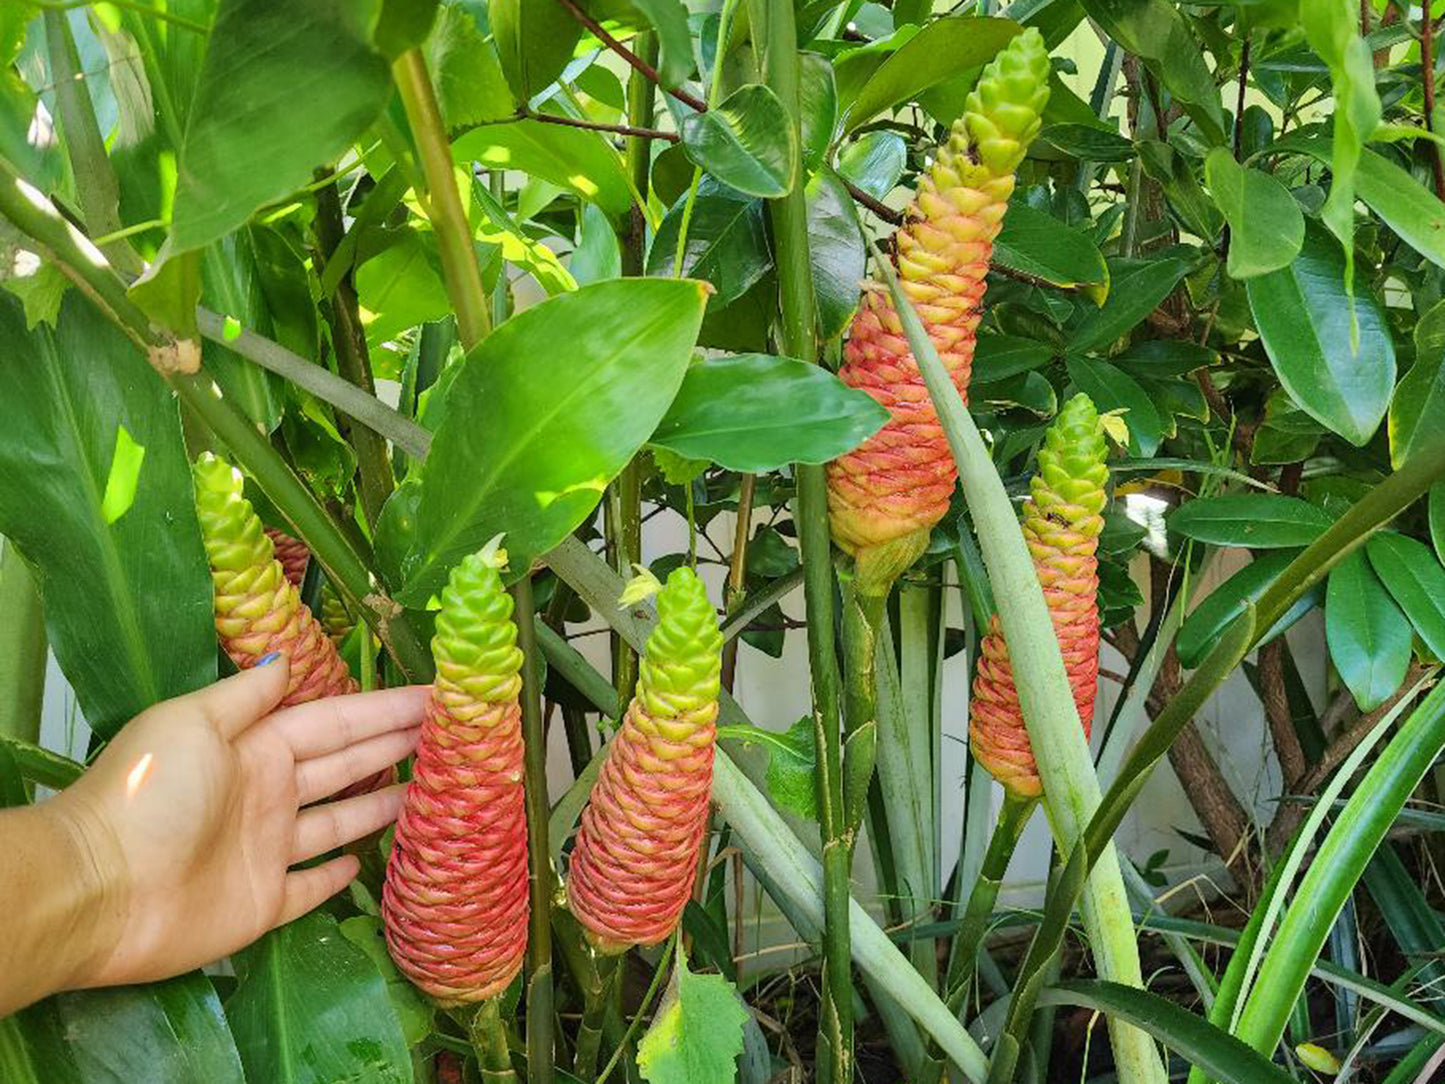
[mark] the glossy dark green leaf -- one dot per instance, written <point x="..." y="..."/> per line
<point x="1416" y="581"/>
<point x="243" y="145"/>
<point x="1038" y="244"/>
<point x="1026" y="391"/>
<point x="1111" y="388"/>
<point x="941" y="49"/>
<point x="561" y="422"/>
<point x="534" y="42"/>
<point x="127" y="604"/>
<point x="307" y="971"/>
<point x="746" y="142"/>
<point x="1090" y="142"/>
<point x="414" y="1010"/>
<point x="579" y="161"/>
<point x="1176" y="175"/>
<point x="1303" y="315"/>
<point x="1437" y="518"/>
<point x="1165" y="358"/>
<point x="1257" y="520"/>
<point x="668" y="18"/>
<point x="817" y="107"/>
<point x="835" y="245"/>
<point x="1136" y="288"/>
<point x="1212" y="1049"/>
<point x="727" y="241"/>
<point x="1266" y="226"/>
<point x="1208" y="621"/>
<point x="874" y="162"/>
<point x="1155" y="32"/>
<point x="998" y="357"/>
<point x="170" y="1032"/>
<point x="1368" y="636"/>
<point x="756" y="413"/>
<point x="1417" y="409"/>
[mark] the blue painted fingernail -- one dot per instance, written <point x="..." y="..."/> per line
<point x="268" y="658"/>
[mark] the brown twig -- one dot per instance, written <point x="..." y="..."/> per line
<point x="598" y="126"/>
<point x="1427" y="81"/>
<point x="1239" y="101"/>
<point x="632" y="58"/>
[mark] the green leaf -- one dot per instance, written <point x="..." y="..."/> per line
<point x="874" y="162"/>
<point x="1090" y="142"/>
<point x="517" y="248"/>
<point x="1303" y="315"/>
<point x="697" y="1034"/>
<point x="1369" y="638"/>
<point x="597" y="255"/>
<point x="170" y="1032"/>
<point x="1266" y="226"/>
<point x="1027" y="391"/>
<point x="1136" y="288"/>
<point x="307" y="971"/>
<point x="837" y="252"/>
<point x="997" y="357"/>
<point x="471" y="88"/>
<point x="128" y="603"/>
<point x="1113" y="389"/>
<point x="757" y="413"/>
<point x="1175" y="174"/>
<point x="727" y="241"/>
<point x="1039" y="244"/>
<point x="39" y="289"/>
<point x="40" y="765"/>
<point x="1258" y="520"/>
<point x="793" y="755"/>
<point x="669" y="19"/>
<point x="401" y="287"/>
<point x="243" y="146"/>
<point x="1416" y="581"/>
<point x="1155" y="32"/>
<point x="538" y="467"/>
<point x="169" y="290"/>
<point x="1417" y="409"/>
<point x="941" y="49"/>
<point x="124" y="476"/>
<point x="1212" y="1049"/>
<point x="230" y="285"/>
<point x="817" y="108"/>
<point x="1209" y="620"/>
<point x="414" y="1010"/>
<point x="1437" y="518"/>
<point x="534" y="42"/>
<point x="579" y="161"/>
<point x="403" y="25"/>
<point x="746" y="142"/>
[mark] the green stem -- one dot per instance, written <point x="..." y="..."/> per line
<point x="862" y="616"/>
<point x="541" y="1053"/>
<point x="663" y="960"/>
<point x="444" y="204"/>
<point x="23" y="648"/>
<point x="489" y="1039"/>
<point x="737" y="573"/>
<point x="596" y="997"/>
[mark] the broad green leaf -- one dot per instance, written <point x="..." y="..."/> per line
<point x="597" y="255"/>
<point x="561" y="422"/>
<point x="534" y="41"/>
<point x="579" y="161"/>
<point x="1212" y="1049"/>
<point x="1176" y="175"/>
<point x="1266" y="226"/>
<point x="517" y="248"/>
<point x="1416" y="580"/>
<point x="1368" y="636"/>
<point x="1159" y="358"/>
<point x="1039" y="244"/>
<point x="231" y="286"/>
<point x="414" y="1010"/>
<point x="401" y="287"/>
<point x="403" y="25"/>
<point x="697" y="1034"/>
<point x="998" y="357"/>
<point x="1155" y="32"/>
<point x="792" y="771"/>
<point x="1208" y="621"/>
<point x="817" y="108"/>
<point x="308" y="971"/>
<point x="1257" y="520"/>
<point x="835" y="246"/>
<point x="1417" y="409"/>
<point x="727" y="241"/>
<point x="756" y="413"/>
<point x="746" y="142"/>
<point x="1303" y="315"/>
<point x="170" y="1032"/>
<point x="169" y="290"/>
<point x="1026" y="391"/>
<point x="1136" y="288"/>
<point x="1113" y="389"/>
<point x="243" y="146"/>
<point x="471" y="88"/>
<point x="941" y="49"/>
<point x="1090" y="142"/>
<point x="668" y="18"/>
<point x="40" y="765"/>
<point x="1437" y="518"/>
<point x="874" y="162"/>
<point x="127" y="604"/>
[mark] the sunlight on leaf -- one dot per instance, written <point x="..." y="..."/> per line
<point x="698" y="1033"/>
<point x="124" y="476"/>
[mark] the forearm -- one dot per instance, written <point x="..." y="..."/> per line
<point x="59" y="914"/>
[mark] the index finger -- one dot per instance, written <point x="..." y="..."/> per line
<point x="326" y="726"/>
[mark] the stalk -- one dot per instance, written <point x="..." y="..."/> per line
<point x="444" y="202"/>
<point x="23" y="648"/>
<point x="489" y="1039"/>
<point x="862" y="617"/>
<point x="596" y="998"/>
<point x="775" y="33"/>
<point x="540" y="1039"/>
<point x="737" y="572"/>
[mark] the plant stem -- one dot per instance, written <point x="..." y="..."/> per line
<point x="541" y="1054"/>
<point x="23" y="648"/>
<point x="662" y="962"/>
<point x="448" y="216"/>
<point x="489" y="1039"/>
<point x="596" y="997"/>
<point x="644" y="67"/>
<point x="737" y="572"/>
<point x="643" y="134"/>
<point x="862" y="616"/>
<point x="1427" y="82"/>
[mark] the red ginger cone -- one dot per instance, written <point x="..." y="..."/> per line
<point x="885" y="496"/>
<point x="291" y="552"/>
<point x="635" y="860"/>
<point x="455" y="899"/>
<point x="258" y="610"/>
<point x="1062" y="521"/>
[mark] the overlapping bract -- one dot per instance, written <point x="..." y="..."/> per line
<point x="258" y="610"/>
<point x="291" y="552"/>
<point x="1062" y="521"/>
<point x="885" y="496"/>
<point x="455" y="899"/>
<point x="636" y="855"/>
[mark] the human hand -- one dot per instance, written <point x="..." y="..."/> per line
<point x="190" y="820"/>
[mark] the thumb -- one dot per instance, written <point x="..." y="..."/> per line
<point x="234" y="703"/>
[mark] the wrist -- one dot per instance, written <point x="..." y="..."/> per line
<point x="90" y="915"/>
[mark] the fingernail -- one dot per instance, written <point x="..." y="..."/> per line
<point x="267" y="659"/>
